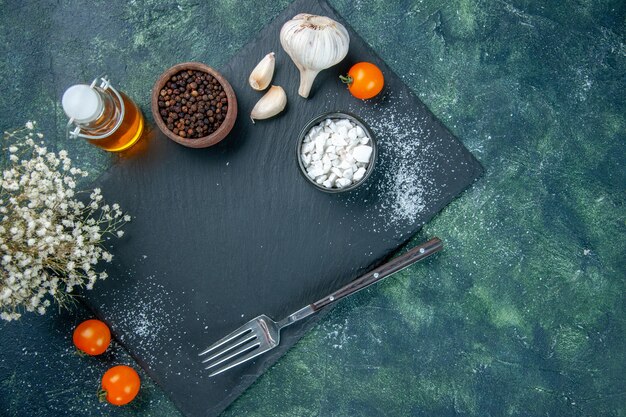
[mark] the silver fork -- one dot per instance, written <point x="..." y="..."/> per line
<point x="262" y="333"/>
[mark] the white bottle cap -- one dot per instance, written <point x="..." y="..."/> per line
<point x="81" y="103"/>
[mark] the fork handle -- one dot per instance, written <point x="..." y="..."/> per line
<point x="396" y="264"/>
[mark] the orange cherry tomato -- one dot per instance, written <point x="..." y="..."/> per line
<point x="364" y="80"/>
<point x="92" y="337"/>
<point x="120" y="385"/>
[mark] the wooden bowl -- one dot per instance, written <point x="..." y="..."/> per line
<point x="227" y="123"/>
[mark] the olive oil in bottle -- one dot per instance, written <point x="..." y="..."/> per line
<point x="102" y="115"/>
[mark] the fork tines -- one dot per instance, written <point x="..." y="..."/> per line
<point x="243" y="341"/>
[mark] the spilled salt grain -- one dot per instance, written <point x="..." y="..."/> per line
<point x="405" y="173"/>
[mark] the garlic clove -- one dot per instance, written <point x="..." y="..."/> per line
<point x="262" y="74"/>
<point x="272" y="103"/>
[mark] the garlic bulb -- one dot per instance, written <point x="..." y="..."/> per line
<point x="261" y="75"/>
<point x="314" y="43"/>
<point x="272" y="103"/>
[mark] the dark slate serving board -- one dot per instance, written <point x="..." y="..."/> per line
<point x="223" y="234"/>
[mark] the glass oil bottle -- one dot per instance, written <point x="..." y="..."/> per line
<point x="105" y="117"/>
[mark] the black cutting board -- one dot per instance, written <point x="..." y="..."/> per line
<point x="223" y="234"/>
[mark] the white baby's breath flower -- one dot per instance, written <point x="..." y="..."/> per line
<point x="9" y="316"/>
<point x="5" y="293"/>
<point x="50" y="241"/>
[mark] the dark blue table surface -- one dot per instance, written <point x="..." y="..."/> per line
<point x="524" y="312"/>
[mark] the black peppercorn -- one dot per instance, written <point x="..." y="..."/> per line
<point x="193" y="104"/>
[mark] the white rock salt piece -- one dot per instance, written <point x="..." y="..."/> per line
<point x="325" y="159"/>
<point x="347" y="174"/>
<point x="364" y="140"/>
<point x="345" y="164"/>
<point x="333" y="127"/>
<point x="332" y="177"/>
<point x="327" y="122"/>
<point x="338" y="173"/>
<point x="321" y="179"/>
<point x="329" y="142"/>
<point x="331" y="149"/>
<point x="338" y="141"/>
<point x="332" y="156"/>
<point x="353" y="142"/>
<point x="306" y="159"/>
<point x="315" y="157"/>
<point x="344" y="123"/>
<point x="326" y="167"/>
<point x="342" y="182"/>
<point x="362" y="153"/>
<point x="320" y="142"/>
<point x="342" y="131"/>
<point x="336" y="162"/>
<point x="308" y="147"/>
<point x="328" y="184"/>
<point x="358" y="175"/>
<point x="359" y="131"/>
<point x="316" y="169"/>
<point x="352" y="134"/>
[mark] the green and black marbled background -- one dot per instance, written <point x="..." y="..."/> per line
<point x="522" y="315"/>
